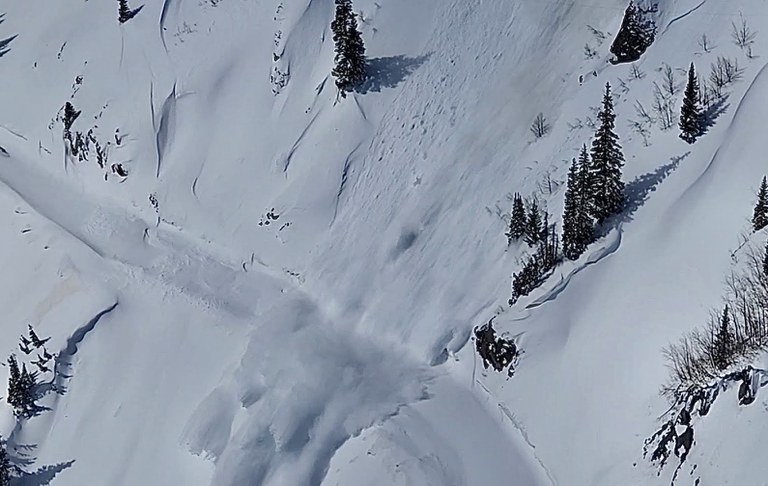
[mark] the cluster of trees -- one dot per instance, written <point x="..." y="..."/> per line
<point x="529" y="225"/>
<point x="350" y="63"/>
<point x="595" y="189"/>
<point x="595" y="193"/>
<point x="22" y="383"/>
<point x="736" y="333"/>
<point x="635" y="36"/>
<point x="538" y="266"/>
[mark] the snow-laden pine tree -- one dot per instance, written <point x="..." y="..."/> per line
<point x="690" y="113"/>
<point x="577" y="224"/>
<point x="350" y="63"/>
<point x="606" y="186"/>
<point x="760" y="216"/>
<point x="571" y="242"/>
<point x="518" y="220"/>
<point x="533" y="224"/>
<point x="586" y="224"/>
<point x="21" y="385"/>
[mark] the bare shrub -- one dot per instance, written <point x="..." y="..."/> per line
<point x="742" y="35"/>
<point x="540" y="127"/>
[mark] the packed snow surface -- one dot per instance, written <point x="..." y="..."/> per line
<point x="268" y="284"/>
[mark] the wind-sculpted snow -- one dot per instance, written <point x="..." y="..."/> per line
<point x="298" y="275"/>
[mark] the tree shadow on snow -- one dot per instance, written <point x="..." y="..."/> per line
<point x="4" y="49"/>
<point x="22" y="456"/>
<point x="388" y="72"/>
<point x="711" y="114"/>
<point x="136" y="11"/>
<point x="42" y="476"/>
<point x="637" y="193"/>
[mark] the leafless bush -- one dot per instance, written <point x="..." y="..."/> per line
<point x="663" y="107"/>
<point x="742" y="35"/>
<point x="637" y="73"/>
<point x="723" y="72"/>
<point x="589" y="52"/>
<point x="598" y="34"/>
<point x="669" y="83"/>
<point x="703" y="355"/>
<point x="548" y="184"/>
<point x="706" y="94"/>
<point x="575" y="125"/>
<point x="540" y="127"/>
<point x="705" y="43"/>
<point x="642" y="123"/>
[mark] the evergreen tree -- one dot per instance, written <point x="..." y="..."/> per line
<point x="70" y="115"/>
<point x="577" y="224"/>
<point x="537" y="266"/>
<point x="586" y="225"/>
<point x="760" y="217"/>
<point x="533" y="224"/>
<point x="349" y="69"/>
<point x="690" y="113"/>
<point x="723" y="343"/>
<point x="606" y="186"/>
<point x="124" y="12"/>
<point x="518" y="221"/>
<point x="21" y="386"/>
<point x="571" y="243"/>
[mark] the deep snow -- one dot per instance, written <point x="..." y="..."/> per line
<point x="296" y="307"/>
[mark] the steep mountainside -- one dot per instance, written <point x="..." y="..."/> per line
<point x="250" y="280"/>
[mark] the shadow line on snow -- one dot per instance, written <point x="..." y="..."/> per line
<point x="63" y="366"/>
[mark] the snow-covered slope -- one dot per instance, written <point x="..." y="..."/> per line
<point x="282" y="288"/>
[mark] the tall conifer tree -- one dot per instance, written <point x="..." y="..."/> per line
<point x="760" y="217"/>
<point x="517" y="222"/>
<point x="571" y="239"/>
<point x="533" y="224"/>
<point x="690" y="113"/>
<point x="577" y="223"/>
<point x="606" y="186"/>
<point x="723" y="342"/>
<point x="586" y="225"/>
<point x="350" y="63"/>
